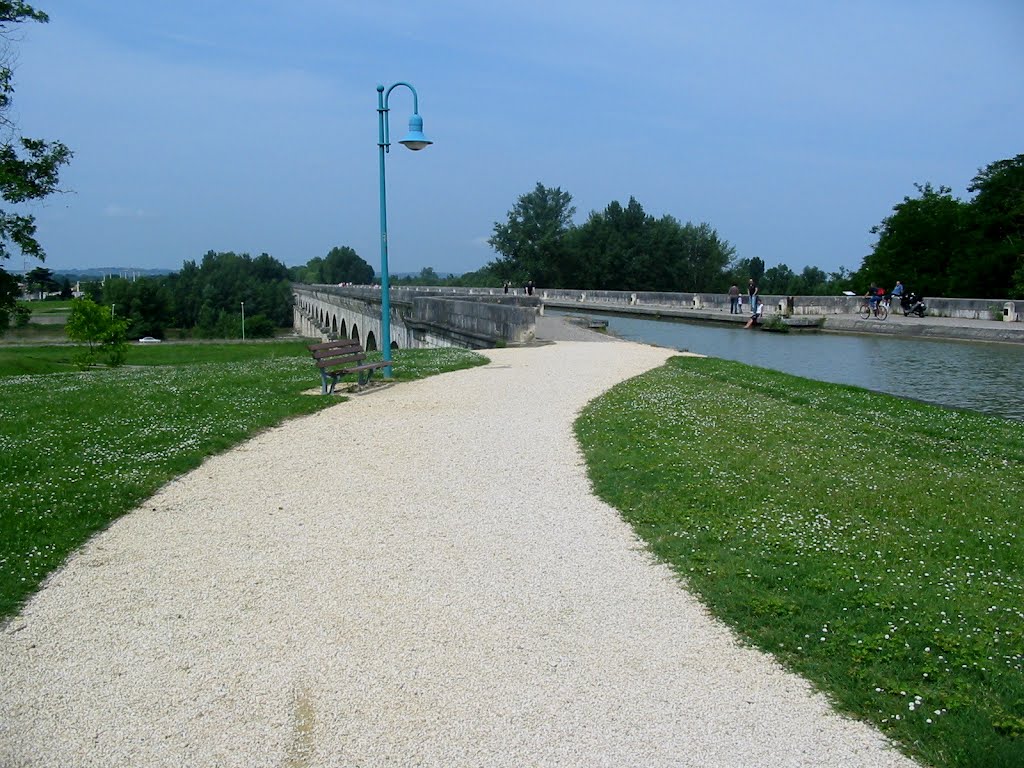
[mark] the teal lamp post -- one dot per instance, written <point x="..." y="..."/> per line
<point x="415" y="140"/>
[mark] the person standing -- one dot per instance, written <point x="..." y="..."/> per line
<point x="752" y="293"/>
<point x="734" y="299"/>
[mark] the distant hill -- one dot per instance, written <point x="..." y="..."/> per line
<point x="98" y="273"/>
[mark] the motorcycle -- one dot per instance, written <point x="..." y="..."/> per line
<point x="912" y="304"/>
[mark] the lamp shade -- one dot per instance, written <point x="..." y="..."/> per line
<point x="415" y="139"/>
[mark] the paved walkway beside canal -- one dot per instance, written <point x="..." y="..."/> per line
<point x="418" y="576"/>
<point x="930" y="327"/>
<point x="896" y="325"/>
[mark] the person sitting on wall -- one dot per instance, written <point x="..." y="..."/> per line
<point x="757" y="314"/>
<point x="896" y="297"/>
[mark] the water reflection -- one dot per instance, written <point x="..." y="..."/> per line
<point x="978" y="376"/>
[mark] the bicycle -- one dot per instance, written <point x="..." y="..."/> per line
<point x="881" y="310"/>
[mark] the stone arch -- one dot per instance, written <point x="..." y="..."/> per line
<point x="371" y="342"/>
<point x="334" y="324"/>
<point x="343" y="332"/>
<point x="355" y="332"/>
<point x="394" y="345"/>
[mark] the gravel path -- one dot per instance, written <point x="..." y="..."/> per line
<point x="419" y="576"/>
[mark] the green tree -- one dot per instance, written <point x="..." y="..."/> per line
<point x="22" y="316"/>
<point x="919" y="242"/>
<point x="996" y="264"/>
<point x="608" y="251"/>
<point x="779" y="280"/>
<point x="95" y="326"/>
<point x="625" y="248"/>
<point x="812" y="281"/>
<point x="9" y="292"/>
<point x="144" y="303"/>
<point x="485" y="277"/>
<point x="531" y="242"/>
<point x="29" y="168"/>
<point x="207" y="298"/>
<point x="341" y="265"/>
<point x="344" y="265"/>
<point x="41" y="280"/>
<point x="941" y="246"/>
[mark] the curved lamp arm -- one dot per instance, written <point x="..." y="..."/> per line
<point x="414" y="140"/>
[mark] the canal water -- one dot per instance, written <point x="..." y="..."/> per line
<point x="984" y="377"/>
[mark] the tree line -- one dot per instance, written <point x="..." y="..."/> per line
<point x="205" y="299"/>
<point x="934" y="243"/>
<point x="625" y="248"/>
<point x="943" y="246"/>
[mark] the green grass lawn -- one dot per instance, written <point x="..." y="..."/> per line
<point x="78" y="450"/>
<point x="48" y="307"/>
<point x="56" y="358"/>
<point x="872" y="544"/>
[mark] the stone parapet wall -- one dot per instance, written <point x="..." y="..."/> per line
<point x="968" y="309"/>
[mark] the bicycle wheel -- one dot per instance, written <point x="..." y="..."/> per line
<point x="882" y="312"/>
<point x="864" y="311"/>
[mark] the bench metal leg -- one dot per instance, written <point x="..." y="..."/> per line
<point x="324" y="389"/>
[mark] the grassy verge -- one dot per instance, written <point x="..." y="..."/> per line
<point x="57" y="358"/>
<point x="872" y="544"/>
<point x="78" y="450"/>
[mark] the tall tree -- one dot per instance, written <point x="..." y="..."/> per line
<point x="918" y="243"/>
<point x="625" y="248"/>
<point x="29" y="168"/>
<point x="531" y="242"/>
<point x="208" y="297"/>
<point x="344" y="265"/>
<point x="41" y="279"/>
<point x="996" y="266"/>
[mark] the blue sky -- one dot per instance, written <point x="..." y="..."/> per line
<point x="792" y="127"/>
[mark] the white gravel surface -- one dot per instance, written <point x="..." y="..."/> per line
<point x="419" y="576"/>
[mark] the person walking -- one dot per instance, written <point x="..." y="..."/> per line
<point x="734" y="299"/>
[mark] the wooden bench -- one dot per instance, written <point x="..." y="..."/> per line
<point x="339" y="358"/>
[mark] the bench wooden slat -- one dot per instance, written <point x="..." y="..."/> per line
<point x="357" y="368"/>
<point x="335" y="345"/>
<point x="336" y="360"/>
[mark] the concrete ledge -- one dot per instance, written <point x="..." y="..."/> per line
<point x="928" y="328"/>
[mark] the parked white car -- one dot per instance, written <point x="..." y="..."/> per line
<point x="149" y="340"/>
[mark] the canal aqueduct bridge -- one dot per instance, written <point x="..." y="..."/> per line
<point x="479" y="318"/>
<point x="440" y="317"/>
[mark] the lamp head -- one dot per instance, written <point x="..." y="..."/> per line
<point x="415" y="140"/>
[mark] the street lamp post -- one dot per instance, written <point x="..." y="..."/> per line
<point x="415" y="140"/>
<point x="243" y="321"/>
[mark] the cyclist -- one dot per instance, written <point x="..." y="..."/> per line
<point x="874" y="295"/>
